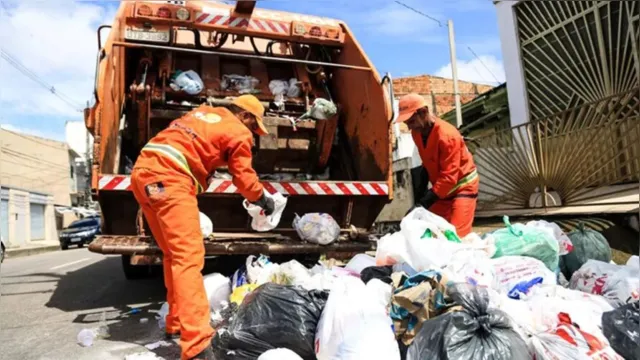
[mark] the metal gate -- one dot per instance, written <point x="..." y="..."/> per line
<point x="572" y="154"/>
<point x="37" y="221"/>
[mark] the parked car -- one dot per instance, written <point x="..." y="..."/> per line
<point x="80" y="232"/>
<point x="1" y="249"/>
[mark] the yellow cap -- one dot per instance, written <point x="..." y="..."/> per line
<point x="252" y="105"/>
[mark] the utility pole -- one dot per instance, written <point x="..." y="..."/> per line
<point x="454" y="70"/>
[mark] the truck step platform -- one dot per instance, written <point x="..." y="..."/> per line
<point x="229" y="244"/>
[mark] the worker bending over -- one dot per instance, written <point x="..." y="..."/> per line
<point x="171" y="170"/>
<point x="448" y="163"/>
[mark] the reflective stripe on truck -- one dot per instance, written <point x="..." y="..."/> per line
<point x="220" y="186"/>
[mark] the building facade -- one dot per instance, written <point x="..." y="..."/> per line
<point x="34" y="177"/>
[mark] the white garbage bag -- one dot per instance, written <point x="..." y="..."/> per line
<point x="564" y="242"/>
<point x="634" y="262"/>
<point x="471" y="266"/>
<point x="418" y="221"/>
<point x="360" y="262"/>
<point x="279" y="354"/>
<point x="218" y="289"/>
<point x="206" y="226"/>
<point x="619" y="284"/>
<point x="259" y="269"/>
<point x="261" y="222"/>
<point x="515" y="275"/>
<point x="240" y="83"/>
<point x="318" y="228"/>
<point x="189" y="82"/>
<point x="354" y="321"/>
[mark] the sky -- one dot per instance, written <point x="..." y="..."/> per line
<point x="55" y="40"/>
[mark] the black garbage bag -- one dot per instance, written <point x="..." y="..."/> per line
<point x="476" y="332"/>
<point x="270" y="317"/>
<point x="382" y="273"/>
<point x="621" y="328"/>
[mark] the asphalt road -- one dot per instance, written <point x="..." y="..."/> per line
<point x="47" y="299"/>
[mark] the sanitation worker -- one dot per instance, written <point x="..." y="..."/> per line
<point x="171" y="170"/>
<point x="447" y="161"/>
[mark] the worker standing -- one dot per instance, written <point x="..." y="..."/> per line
<point x="448" y="163"/>
<point x="171" y="170"/>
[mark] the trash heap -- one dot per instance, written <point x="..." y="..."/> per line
<point x="525" y="291"/>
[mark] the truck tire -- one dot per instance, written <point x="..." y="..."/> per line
<point x="64" y="246"/>
<point x="134" y="272"/>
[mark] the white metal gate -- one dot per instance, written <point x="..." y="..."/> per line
<point x="37" y="221"/>
<point x="4" y="220"/>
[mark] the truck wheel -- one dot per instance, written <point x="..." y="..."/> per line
<point x="64" y="246"/>
<point x="134" y="272"/>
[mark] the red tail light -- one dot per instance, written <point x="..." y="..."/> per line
<point x="164" y="12"/>
<point x="144" y="10"/>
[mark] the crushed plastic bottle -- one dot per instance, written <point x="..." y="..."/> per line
<point x="102" y="331"/>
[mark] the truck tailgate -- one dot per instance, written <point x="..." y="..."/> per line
<point x="229" y="244"/>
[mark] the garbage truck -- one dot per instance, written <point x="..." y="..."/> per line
<point x="340" y="166"/>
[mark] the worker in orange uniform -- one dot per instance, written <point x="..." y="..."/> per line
<point x="171" y="170"/>
<point x="448" y="163"/>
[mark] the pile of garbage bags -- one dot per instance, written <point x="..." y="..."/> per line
<point x="429" y="294"/>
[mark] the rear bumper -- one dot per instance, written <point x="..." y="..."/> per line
<point x="230" y="244"/>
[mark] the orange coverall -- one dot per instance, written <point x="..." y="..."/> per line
<point x="452" y="174"/>
<point x="170" y="171"/>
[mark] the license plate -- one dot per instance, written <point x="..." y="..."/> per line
<point x="76" y="240"/>
<point x="152" y="36"/>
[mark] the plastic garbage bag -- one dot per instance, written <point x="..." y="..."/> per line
<point x="514" y="275"/>
<point x="218" y="289"/>
<point x="318" y="228"/>
<point x="470" y="266"/>
<point x="564" y="242"/>
<point x="294" y="88"/>
<point x="239" y="293"/>
<point x="260" y="269"/>
<point x="422" y="223"/>
<point x="382" y="273"/>
<point x="351" y="309"/>
<point x="585" y="344"/>
<point x="241" y="84"/>
<point x="279" y="354"/>
<point x="260" y="221"/>
<point x="619" y="284"/>
<point x="290" y="273"/>
<point x="587" y="245"/>
<point x="274" y="316"/>
<point x="162" y="315"/>
<point x="206" y="226"/>
<point x="360" y="262"/>
<point x="321" y="109"/>
<point x="187" y="81"/>
<point x="521" y="240"/>
<point x="278" y="87"/>
<point x="475" y="332"/>
<point x="548" y="346"/>
<point x="634" y="262"/>
<point x="621" y="327"/>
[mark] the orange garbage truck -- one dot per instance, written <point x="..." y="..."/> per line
<point x="162" y="59"/>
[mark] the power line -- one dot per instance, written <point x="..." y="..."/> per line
<point x="483" y="64"/>
<point x="420" y="12"/>
<point x="442" y="25"/>
<point x="33" y="76"/>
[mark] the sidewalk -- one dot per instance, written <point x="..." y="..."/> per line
<point x="32" y="249"/>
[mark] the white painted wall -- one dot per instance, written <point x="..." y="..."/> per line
<point x="514" y="71"/>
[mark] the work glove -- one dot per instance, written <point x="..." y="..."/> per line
<point x="267" y="204"/>
<point x="428" y="199"/>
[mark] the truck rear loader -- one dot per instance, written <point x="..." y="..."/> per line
<point x="340" y="166"/>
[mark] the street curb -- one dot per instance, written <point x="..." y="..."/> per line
<point x="16" y="253"/>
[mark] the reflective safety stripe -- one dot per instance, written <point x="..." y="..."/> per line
<point x="177" y="157"/>
<point x="471" y="177"/>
